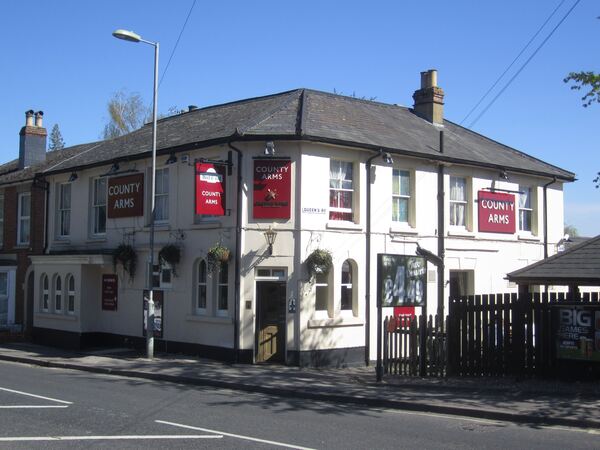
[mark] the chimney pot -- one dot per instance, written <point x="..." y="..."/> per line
<point x="38" y="118"/>
<point x="192" y="107"/>
<point x="29" y="118"/>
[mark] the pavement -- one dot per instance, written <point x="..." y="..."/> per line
<point x="528" y="401"/>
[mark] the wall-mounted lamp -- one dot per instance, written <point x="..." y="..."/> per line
<point x="113" y="169"/>
<point x="270" y="236"/>
<point x="270" y="148"/>
<point x="387" y="158"/>
<point x="503" y="175"/>
<point x="73" y="177"/>
<point x="172" y="159"/>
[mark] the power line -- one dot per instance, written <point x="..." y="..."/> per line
<point x="524" y="64"/>
<point x="512" y="63"/>
<point x="176" y="43"/>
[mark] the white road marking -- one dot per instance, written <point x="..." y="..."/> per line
<point x="239" y="436"/>
<point x="106" y="438"/>
<point x="35" y="396"/>
<point x="32" y="406"/>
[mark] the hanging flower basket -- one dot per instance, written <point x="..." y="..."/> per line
<point x="319" y="262"/>
<point x="170" y="254"/>
<point x="125" y="255"/>
<point x="217" y="255"/>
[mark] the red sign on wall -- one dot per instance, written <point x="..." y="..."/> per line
<point x="496" y="212"/>
<point x="109" y="292"/>
<point x="210" y="189"/>
<point x="272" y="188"/>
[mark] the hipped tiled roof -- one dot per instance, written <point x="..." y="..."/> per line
<point x="306" y="115"/>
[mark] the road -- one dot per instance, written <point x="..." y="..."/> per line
<point x="63" y="409"/>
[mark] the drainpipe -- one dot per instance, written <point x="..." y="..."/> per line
<point x="238" y="255"/>
<point x="546" y="216"/>
<point x="368" y="269"/>
<point x="441" y="233"/>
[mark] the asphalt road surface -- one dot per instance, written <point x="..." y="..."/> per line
<point x="63" y="409"/>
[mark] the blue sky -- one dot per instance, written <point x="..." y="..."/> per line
<point x="60" y="57"/>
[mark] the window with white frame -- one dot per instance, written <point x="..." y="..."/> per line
<point x="223" y="289"/>
<point x="24" y="218"/>
<point x="322" y="282"/>
<point x="45" y="300"/>
<point x="458" y="201"/>
<point x="70" y="282"/>
<point x="1" y="220"/>
<point x="525" y="209"/>
<point x="64" y="209"/>
<point x="161" y="196"/>
<point x="58" y="294"/>
<point x="346" y="294"/>
<point x="99" y="206"/>
<point x="400" y="196"/>
<point x="341" y="190"/>
<point x="201" y="287"/>
<point x="162" y="276"/>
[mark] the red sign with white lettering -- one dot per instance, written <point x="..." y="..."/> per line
<point x="210" y="189"/>
<point x="496" y="212"/>
<point x="272" y="188"/>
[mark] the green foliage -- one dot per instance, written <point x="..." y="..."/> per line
<point x="125" y="255"/>
<point x="216" y="255"/>
<point x="56" y="139"/>
<point x="588" y="80"/>
<point x="170" y="254"/>
<point x="126" y="112"/>
<point x="319" y="262"/>
<point x="571" y="230"/>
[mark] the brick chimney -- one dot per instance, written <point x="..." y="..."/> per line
<point x="32" y="143"/>
<point x="429" y="100"/>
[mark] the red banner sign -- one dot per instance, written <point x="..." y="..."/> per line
<point x="272" y="188"/>
<point x="126" y="196"/>
<point x="109" y="292"/>
<point x="496" y="212"/>
<point x="210" y="189"/>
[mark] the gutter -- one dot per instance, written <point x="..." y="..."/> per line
<point x="238" y="254"/>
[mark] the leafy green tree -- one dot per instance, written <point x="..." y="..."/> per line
<point x="571" y="230"/>
<point x="590" y="82"/>
<point x="126" y="113"/>
<point x="56" y="140"/>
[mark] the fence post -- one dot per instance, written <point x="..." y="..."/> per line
<point x="423" y="345"/>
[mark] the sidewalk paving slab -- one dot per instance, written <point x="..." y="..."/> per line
<point x="538" y="402"/>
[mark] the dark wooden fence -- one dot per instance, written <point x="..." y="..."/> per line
<point x="483" y="335"/>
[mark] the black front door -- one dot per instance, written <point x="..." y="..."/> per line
<point x="270" y="326"/>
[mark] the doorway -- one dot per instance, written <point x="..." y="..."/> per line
<point x="270" y="321"/>
<point x="462" y="283"/>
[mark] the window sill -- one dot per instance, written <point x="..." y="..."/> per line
<point x="95" y="239"/>
<point x="206" y="225"/>
<point x="403" y="229"/>
<point x="461" y="232"/>
<point x="528" y="238"/>
<point x="58" y="316"/>
<point x="61" y="241"/>
<point x="343" y="225"/>
<point x="336" y="323"/>
<point x="209" y="319"/>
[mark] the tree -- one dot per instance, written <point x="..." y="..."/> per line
<point x="589" y="80"/>
<point x="56" y="139"/>
<point x="571" y="230"/>
<point x="126" y="112"/>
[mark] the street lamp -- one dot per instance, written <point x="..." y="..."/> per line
<point x="134" y="37"/>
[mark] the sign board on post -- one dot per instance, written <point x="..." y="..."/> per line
<point x="496" y="212"/>
<point x="210" y="189"/>
<point x="110" y="289"/>
<point x="272" y="188"/>
<point x="401" y="280"/>
<point x="158" y="298"/>
<point x="125" y="196"/>
<point x="577" y="332"/>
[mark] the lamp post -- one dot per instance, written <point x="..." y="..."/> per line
<point x="134" y="37"/>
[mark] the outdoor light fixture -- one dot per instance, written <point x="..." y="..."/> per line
<point x="270" y="148"/>
<point x="73" y="177"/>
<point x="172" y="159"/>
<point x="387" y="158"/>
<point x="270" y="236"/>
<point x="113" y="169"/>
<point x="503" y="175"/>
<point x="134" y="37"/>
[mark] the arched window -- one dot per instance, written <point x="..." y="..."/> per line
<point x="58" y="294"/>
<point x="201" y="287"/>
<point x="45" y="301"/>
<point x="70" y="294"/>
<point x="222" y="289"/>
<point x="346" y="297"/>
